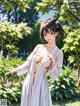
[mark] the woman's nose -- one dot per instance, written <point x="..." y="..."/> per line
<point x="48" y="34"/>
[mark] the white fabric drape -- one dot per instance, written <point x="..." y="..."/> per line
<point x="37" y="93"/>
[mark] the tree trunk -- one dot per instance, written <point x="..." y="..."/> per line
<point x="78" y="77"/>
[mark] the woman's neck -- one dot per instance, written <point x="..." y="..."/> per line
<point x="51" y="45"/>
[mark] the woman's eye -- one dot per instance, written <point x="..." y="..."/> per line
<point x="45" y="34"/>
<point x="51" y="33"/>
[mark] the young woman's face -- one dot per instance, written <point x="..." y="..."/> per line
<point x="50" y="36"/>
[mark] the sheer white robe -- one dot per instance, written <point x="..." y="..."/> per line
<point x="37" y="93"/>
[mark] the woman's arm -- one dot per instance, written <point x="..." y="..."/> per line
<point x="56" y="67"/>
<point x="22" y="69"/>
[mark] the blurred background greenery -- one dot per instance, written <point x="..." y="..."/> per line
<point x="19" y="33"/>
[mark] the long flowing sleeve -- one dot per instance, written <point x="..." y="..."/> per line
<point x="25" y="67"/>
<point x="55" y="71"/>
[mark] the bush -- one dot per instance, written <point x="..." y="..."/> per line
<point x="64" y="87"/>
<point x="11" y="35"/>
<point x="10" y="83"/>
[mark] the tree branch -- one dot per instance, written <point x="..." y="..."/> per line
<point x="76" y="17"/>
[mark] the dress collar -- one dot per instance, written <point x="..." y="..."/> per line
<point x="53" y="49"/>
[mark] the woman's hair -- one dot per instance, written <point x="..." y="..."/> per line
<point x="52" y="25"/>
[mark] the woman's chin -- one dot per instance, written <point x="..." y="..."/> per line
<point x="50" y="41"/>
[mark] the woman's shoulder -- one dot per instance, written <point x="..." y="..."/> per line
<point x="59" y="51"/>
<point x="38" y="46"/>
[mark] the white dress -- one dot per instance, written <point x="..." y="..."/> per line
<point x="37" y="93"/>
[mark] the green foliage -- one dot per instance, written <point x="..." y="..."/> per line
<point x="64" y="87"/>
<point x="11" y="34"/>
<point x="9" y="5"/>
<point x="68" y="14"/>
<point x="10" y="83"/>
<point x="68" y="10"/>
<point x="47" y="5"/>
<point x="72" y="45"/>
<point x="18" y="11"/>
<point x="44" y="6"/>
<point x="8" y="36"/>
<point x="26" y="33"/>
<point x="24" y="29"/>
<point x="36" y="35"/>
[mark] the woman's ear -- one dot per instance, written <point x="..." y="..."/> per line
<point x="56" y="34"/>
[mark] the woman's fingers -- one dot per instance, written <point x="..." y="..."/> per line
<point x="11" y="69"/>
<point x="38" y="59"/>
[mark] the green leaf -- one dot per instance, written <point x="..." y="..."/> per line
<point x="71" y="59"/>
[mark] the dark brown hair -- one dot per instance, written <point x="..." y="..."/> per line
<point x="52" y="25"/>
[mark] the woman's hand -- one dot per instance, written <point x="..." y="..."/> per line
<point x="12" y="69"/>
<point x="38" y="58"/>
<point x="51" y="61"/>
<point x="48" y="63"/>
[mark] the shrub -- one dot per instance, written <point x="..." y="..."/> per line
<point x="10" y="83"/>
<point x="64" y="87"/>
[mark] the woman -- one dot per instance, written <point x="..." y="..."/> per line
<point x="44" y="58"/>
